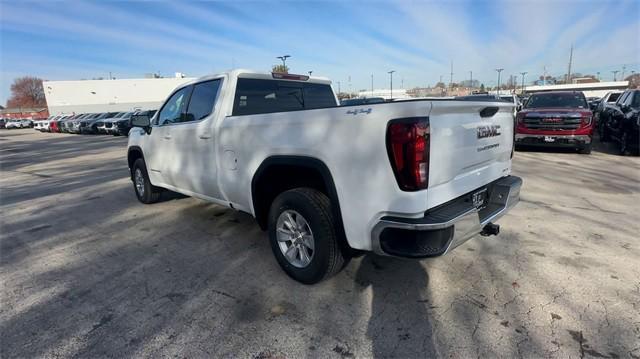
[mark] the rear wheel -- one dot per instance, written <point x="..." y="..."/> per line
<point x="145" y="191"/>
<point x="624" y="143"/>
<point x="303" y="235"/>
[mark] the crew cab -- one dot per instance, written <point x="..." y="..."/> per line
<point x="412" y="178"/>
<point x="620" y="122"/>
<point x="556" y="119"/>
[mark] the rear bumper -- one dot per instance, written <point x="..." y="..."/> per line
<point x="446" y="226"/>
<point x="553" y="140"/>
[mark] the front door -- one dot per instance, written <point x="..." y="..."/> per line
<point x="193" y="166"/>
<point x="158" y="152"/>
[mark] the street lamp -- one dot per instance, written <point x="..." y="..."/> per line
<point x="598" y="73"/>
<point x="522" y="88"/>
<point x="371" y="85"/>
<point x="391" y="77"/>
<point x="284" y="59"/>
<point x="614" y="74"/>
<point x="310" y="72"/>
<point x="499" y="71"/>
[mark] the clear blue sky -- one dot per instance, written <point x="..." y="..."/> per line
<point x="341" y="40"/>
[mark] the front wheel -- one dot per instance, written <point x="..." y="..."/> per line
<point x="586" y="149"/>
<point x="145" y="191"/>
<point x="303" y="235"/>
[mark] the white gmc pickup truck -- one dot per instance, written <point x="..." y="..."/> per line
<point x="412" y="178"/>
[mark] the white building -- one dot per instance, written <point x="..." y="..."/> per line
<point x="84" y="96"/>
<point x="593" y="89"/>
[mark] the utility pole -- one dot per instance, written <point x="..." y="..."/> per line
<point x="499" y="71"/>
<point x="570" y="61"/>
<point x="544" y="75"/>
<point x="598" y="75"/>
<point x="339" y="88"/>
<point x="391" y="78"/>
<point x="284" y="59"/>
<point x="451" y="80"/>
<point x="470" y="82"/>
<point x="402" y="82"/>
<point x="371" y="85"/>
<point x="614" y="74"/>
<point x="522" y="88"/>
<point x="624" y="67"/>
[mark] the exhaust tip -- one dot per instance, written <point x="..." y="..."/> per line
<point x="490" y="230"/>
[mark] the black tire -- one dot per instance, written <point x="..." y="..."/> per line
<point x="149" y="193"/>
<point x="585" y="149"/>
<point x="602" y="131"/>
<point x="314" y="206"/>
<point x="624" y="143"/>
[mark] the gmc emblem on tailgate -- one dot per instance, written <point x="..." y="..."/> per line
<point x="488" y="131"/>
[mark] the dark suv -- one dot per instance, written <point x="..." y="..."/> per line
<point x="620" y="122"/>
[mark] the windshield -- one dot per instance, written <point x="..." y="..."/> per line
<point x="557" y="100"/>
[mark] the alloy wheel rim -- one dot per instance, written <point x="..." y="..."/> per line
<point x="295" y="238"/>
<point x="139" y="181"/>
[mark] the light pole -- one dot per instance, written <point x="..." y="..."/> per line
<point x="470" y="81"/>
<point x="284" y="59"/>
<point x="614" y="74"/>
<point x="522" y="88"/>
<point x="339" y="88"/>
<point x="310" y="72"/>
<point x="371" y="85"/>
<point x="499" y="71"/>
<point x="391" y="78"/>
<point x="598" y="73"/>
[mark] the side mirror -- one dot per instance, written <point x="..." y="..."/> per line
<point x="141" y="120"/>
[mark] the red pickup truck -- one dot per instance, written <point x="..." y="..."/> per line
<point x="556" y="119"/>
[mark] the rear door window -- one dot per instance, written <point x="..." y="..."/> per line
<point x="255" y="96"/>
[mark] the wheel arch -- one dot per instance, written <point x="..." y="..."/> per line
<point x="133" y="153"/>
<point x="314" y="172"/>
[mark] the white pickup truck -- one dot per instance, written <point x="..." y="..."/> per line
<point x="411" y="178"/>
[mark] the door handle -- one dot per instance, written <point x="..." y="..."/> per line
<point x="205" y="137"/>
<point x="167" y="137"/>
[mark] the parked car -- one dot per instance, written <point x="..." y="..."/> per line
<point x="13" y="124"/>
<point x="90" y="124"/>
<point x="122" y="126"/>
<point x="3" y="123"/>
<point x="324" y="182"/>
<point x="105" y="125"/>
<point x="361" y="101"/>
<point x="26" y="123"/>
<point x="556" y="119"/>
<point x="620" y="122"/>
<point x="75" y="123"/>
<point x="593" y="102"/>
<point x="607" y="100"/>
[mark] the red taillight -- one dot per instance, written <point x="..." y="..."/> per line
<point x="408" y="148"/>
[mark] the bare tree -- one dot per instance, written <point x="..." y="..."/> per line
<point x="27" y="92"/>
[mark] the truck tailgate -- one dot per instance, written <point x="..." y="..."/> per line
<point x="470" y="146"/>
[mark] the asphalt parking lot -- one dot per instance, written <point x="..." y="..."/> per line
<point x="87" y="271"/>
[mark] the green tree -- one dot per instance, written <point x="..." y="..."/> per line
<point x="280" y="68"/>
